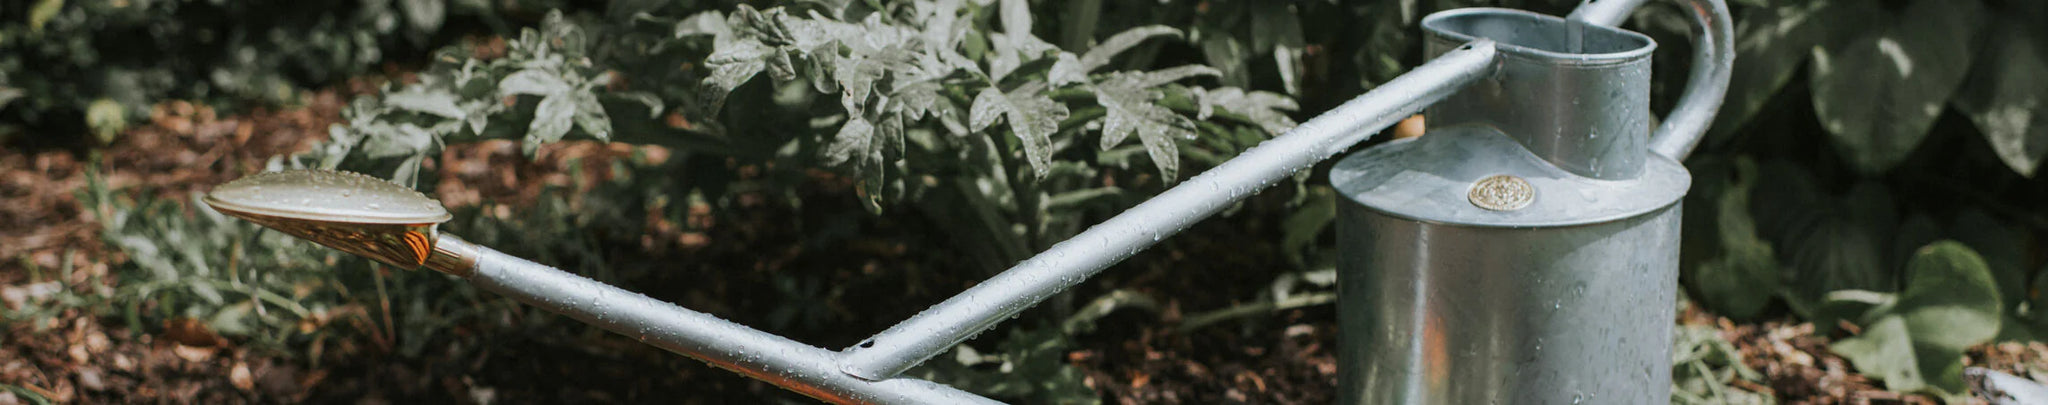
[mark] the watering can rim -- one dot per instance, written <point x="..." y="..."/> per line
<point x="1435" y="24"/>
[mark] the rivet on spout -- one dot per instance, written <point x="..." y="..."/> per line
<point x="1501" y="192"/>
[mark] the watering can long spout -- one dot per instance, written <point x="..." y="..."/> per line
<point x="397" y="226"/>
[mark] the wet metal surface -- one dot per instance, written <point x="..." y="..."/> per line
<point x="1525" y="248"/>
<point x="350" y="212"/>
<point x="1445" y="314"/>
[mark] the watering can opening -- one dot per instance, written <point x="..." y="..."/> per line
<point x="1575" y="95"/>
<point x="1533" y="34"/>
<point x="351" y="212"/>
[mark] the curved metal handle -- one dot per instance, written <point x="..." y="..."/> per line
<point x="1713" y="59"/>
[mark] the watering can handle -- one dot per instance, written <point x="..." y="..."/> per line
<point x="1712" y="61"/>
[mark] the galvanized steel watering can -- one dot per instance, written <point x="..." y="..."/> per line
<point x="1524" y="250"/>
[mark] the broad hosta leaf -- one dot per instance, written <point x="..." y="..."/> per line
<point x="1741" y="281"/>
<point x="1951" y="300"/>
<point x="551" y="120"/>
<point x="2003" y="247"/>
<point x="1916" y="344"/>
<point x="1771" y="43"/>
<point x="2005" y="98"/>
<point x="1879" y="95"/>
<point x="1826" y="242"/>
<point x="1033" y="118"/>
<point x="1885" y="351"/>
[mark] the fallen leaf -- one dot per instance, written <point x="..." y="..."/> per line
<point x="241" y="378"/>
<point x="193" y="354"/>
<point x="191" y="332"/>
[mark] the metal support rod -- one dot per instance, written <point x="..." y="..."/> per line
<point x="1713" y="62"/>
<point x="791" y="365"/>
<point x="1068" y="263"/>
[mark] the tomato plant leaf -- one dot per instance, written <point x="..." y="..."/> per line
<point x="421" y="100"/>
<point x="591" y="118"/>
<point x="1263" y="108"/>
<point x="551" y="120"/>
<point x="533" y="82"/>
<point x="1102" y="53"/>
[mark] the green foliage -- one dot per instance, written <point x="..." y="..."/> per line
<point x="1915" y="342"/>
<point x="1703" y="365"/>
<point x="1880" y="77"/>
<point x="953" y="107"/>
<point x="1742" y="278"/>
<point x="1877" y="126"/>
<point x="2005" y="98"/>
<point x="111" y="60"/>
<point x="1031" y="365"/>
<point x="26" y="394"/>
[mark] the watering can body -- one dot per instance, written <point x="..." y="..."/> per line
<point x="1525" y="249"/>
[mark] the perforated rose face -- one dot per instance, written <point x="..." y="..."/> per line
<point x="327" y="195"/>
<point x="351" y="212"/>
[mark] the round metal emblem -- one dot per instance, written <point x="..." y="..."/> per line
<point x="1501" y="192"/>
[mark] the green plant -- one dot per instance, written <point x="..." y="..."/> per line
<point x="1703" y="366"/>
<point x="1914" y="340"/>
<point x="1855" y="133"/>
<point x="73" y="66"/>
<point x="915" y="121"/>
<point x="1930" y="50"/>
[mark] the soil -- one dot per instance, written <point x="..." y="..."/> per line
<point x="724" y="265"/>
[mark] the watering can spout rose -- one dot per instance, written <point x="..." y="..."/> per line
<point x="1524" y="250"/>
